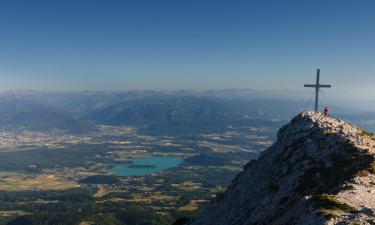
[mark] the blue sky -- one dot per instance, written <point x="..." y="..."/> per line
<point x="126" y="45"/>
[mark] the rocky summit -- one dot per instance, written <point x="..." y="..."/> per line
<point x="321" y="170"/>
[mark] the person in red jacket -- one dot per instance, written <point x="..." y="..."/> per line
<point x="326" y="111"/>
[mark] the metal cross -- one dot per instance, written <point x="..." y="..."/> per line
<point x="317" y="86"/>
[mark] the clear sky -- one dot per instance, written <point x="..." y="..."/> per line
<point x="190" y="44"/>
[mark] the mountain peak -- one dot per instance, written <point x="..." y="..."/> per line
<point x="308" y="123"/>
<point x="319" y="171"/>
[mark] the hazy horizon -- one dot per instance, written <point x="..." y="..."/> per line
<point x="332" y="97"/>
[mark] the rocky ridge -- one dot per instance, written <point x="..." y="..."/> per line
<point x="321" y="170"/>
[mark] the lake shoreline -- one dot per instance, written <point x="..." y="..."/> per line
<point x="146" y="165"/>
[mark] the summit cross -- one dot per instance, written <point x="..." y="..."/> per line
<point x="317" y="86"/>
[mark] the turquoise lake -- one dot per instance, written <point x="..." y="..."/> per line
<point x="158" y="164"/>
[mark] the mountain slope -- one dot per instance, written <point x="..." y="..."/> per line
<point x="161" y="110"/>
<point x="187" y="109"/>
<point x="17" y="114"/>
<point x="319" y="171"/>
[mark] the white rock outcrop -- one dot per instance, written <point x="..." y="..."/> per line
<point x="319" y="171"/>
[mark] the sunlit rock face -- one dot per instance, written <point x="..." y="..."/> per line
<point x="319" y="171"/>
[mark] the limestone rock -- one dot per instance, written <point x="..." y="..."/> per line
<point x="319" y="171"/>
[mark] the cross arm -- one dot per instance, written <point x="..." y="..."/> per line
<point x="320" y="85"/>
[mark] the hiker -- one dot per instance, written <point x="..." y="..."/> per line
<point x="326" y="111"/>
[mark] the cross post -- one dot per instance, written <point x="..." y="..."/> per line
<point x="317" y="86"/>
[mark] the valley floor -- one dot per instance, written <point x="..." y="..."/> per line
<point x="56" y="174"/>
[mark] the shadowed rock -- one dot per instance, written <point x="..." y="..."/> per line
<point x="319" y="171"/>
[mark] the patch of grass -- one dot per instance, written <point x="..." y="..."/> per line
<point x="367" y="133"/>
<point x="24" y="182"/>
<point x="363" y="173"/>
<point x="368" y="170"/>
<point x="13" y="213"/>
<point x="189" y="207"/>
<point x="329" y="213"/>
<point x="328" y="132"/>
<point x="371" y="168"/>
<point x="328" y="206"/>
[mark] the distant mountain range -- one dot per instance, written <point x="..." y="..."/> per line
<point x="19" y="114"/>
<point x="84" y="102"/>
<point x="158" y="110"/>
<point x="162" y="110"/>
